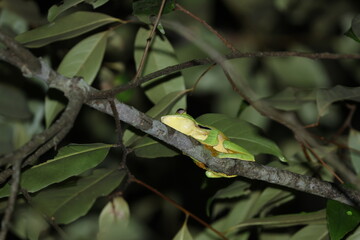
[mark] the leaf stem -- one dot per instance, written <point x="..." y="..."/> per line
<point x="211" y="29"/>
<point x="185" y="211"/>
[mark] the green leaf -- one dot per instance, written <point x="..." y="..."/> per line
<point x="236" y="189"/>
<point x="183" y="233"/>
<point x="57" y="9"/>
<point x="63" y="28"/>
<point x="114" y="219"/>
<point x="313" y="232"/>
<point x="149" y="148"/>
<point x="119" y="79"/>
<point x="349" y="33"/>
<point x="291" y="99"/>
<point x="285" y="220"/>
<point x="68" y="202"/>
<point x="238" y="212"/>
<point x="269" y="199"/>
<point x="355" y="25"/>
<point x="96" y="3"/>
<point x="354" y="31"/>
<point x="243" y="134"/>
<point x="166" y="103"/>
<point x="158" y="110"/>
<point x="84" y="60"/>
<point x="354" y="145"/>
<point x="161" y="55"/>
<point x="325" y="97"/>
<point x="341" y="219"/>
<point x="71" y="160"/>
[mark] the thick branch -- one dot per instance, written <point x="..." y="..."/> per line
<point x="251" y="170"/>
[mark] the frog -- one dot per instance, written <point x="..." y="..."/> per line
<point x="213" y="139"/>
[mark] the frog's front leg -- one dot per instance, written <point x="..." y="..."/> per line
<point x="212" y="138"/>
<point x="236" y="152"/>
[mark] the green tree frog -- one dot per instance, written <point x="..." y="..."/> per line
<point x="213" y="139"/>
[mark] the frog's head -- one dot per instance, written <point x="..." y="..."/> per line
<point x="181" y="121"/>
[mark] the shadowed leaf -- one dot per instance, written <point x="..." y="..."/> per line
<point x="63" y="28"/>
<point x="83" y="60"/>
<point x="70" y="201"/>
<point x="71" y="160"/>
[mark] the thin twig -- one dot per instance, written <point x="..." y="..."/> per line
<point x="149" y="40"/>
<point x="206" y="61"/>
<point x="314" y="56"/>
<point x="324" y="164"/>
<point x="347" y="122"/>
<point x="119" y="134"/>
<point x="178" y="206"/>
<point x="211" y="29"/>
<point x="118" y="129"/>
<point x="41" y="143"/>
<point x="4" y="175"/>
<point x="201" y="76"/>
<point x="48" y="145"/>
<point x="12" y="199"/>
<point x="31" y="146"/>
<point x="306" y="153"/>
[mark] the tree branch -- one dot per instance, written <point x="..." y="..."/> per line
<point x="206" y="61"/>
<point x="18" y="56"/>
<point x="149" y="41"/>
<point x="11" y="200"/>
<point x="206" y="25"/>
<point x="251" y="170"/>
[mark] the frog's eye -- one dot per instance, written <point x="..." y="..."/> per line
<point x="181" y="111"/>
<point x="203" y="127"/>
